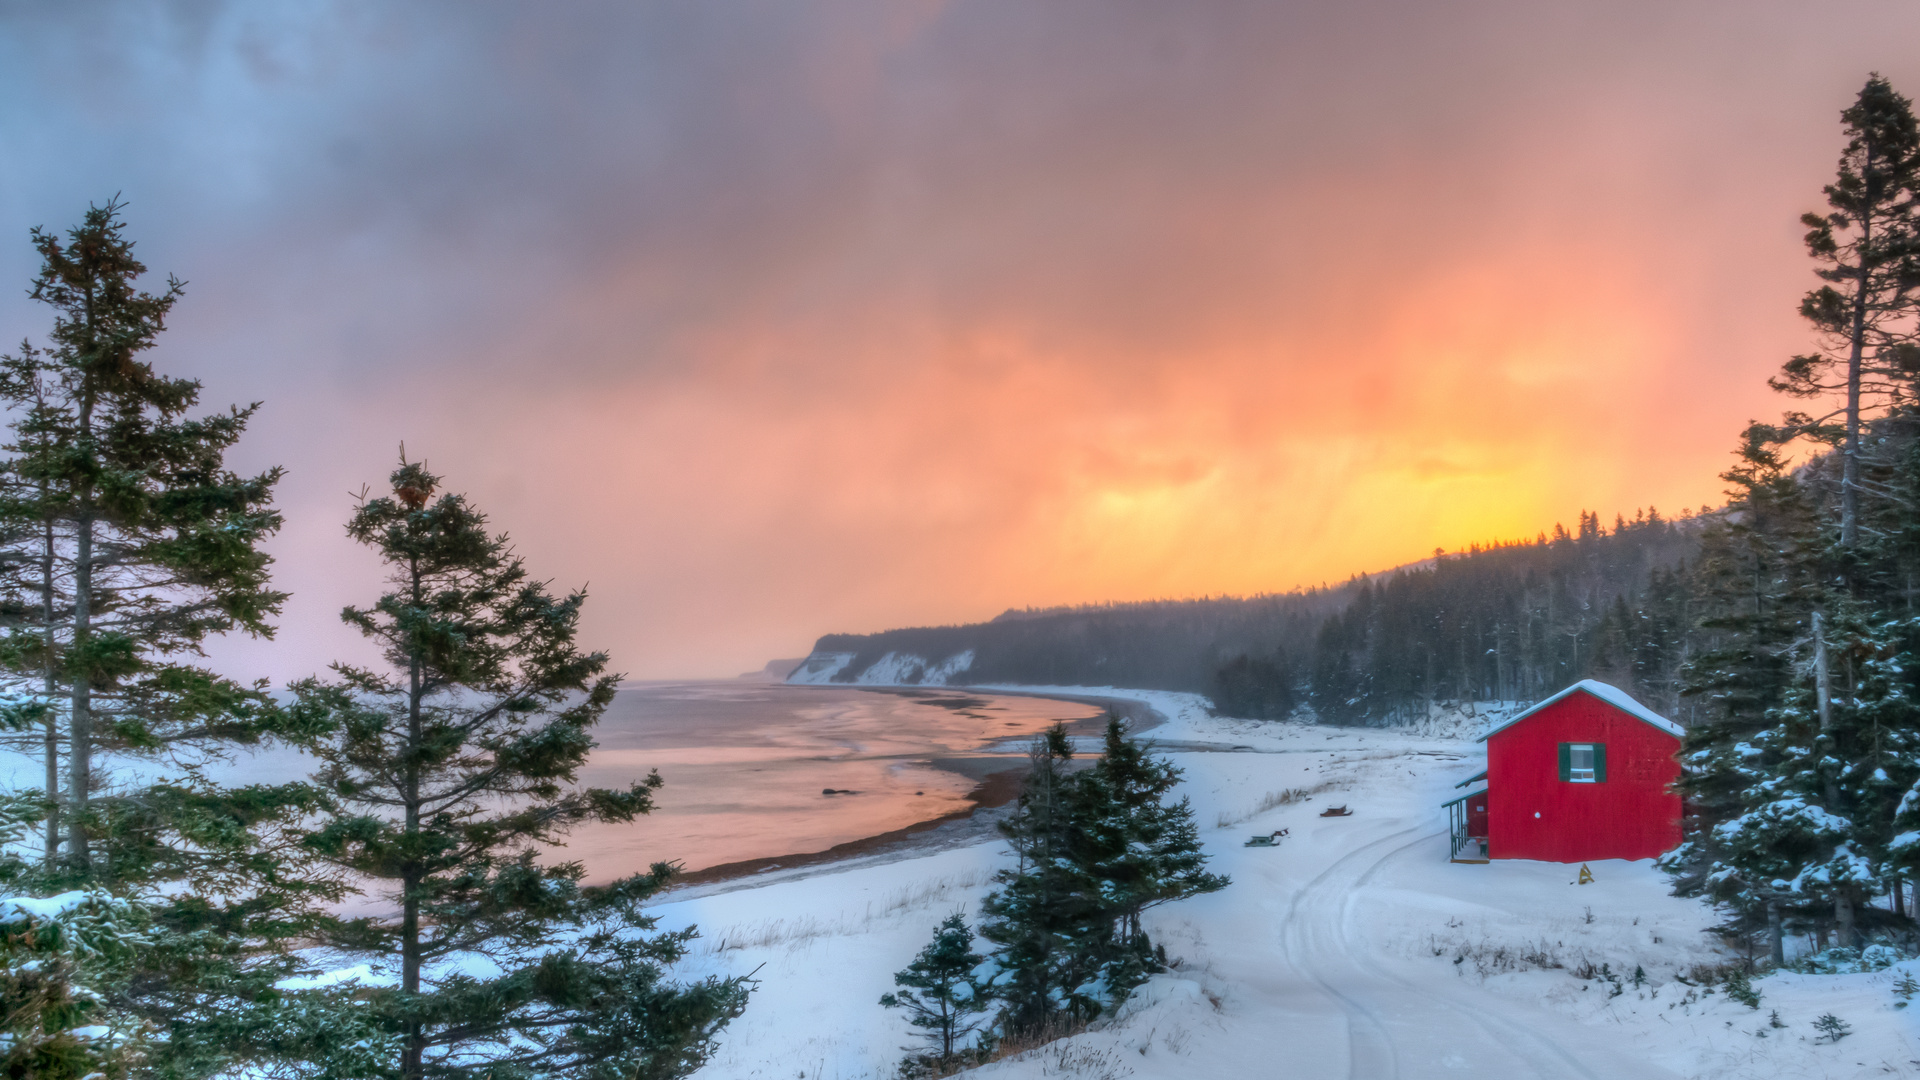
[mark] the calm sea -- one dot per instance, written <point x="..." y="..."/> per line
<point x="745" y="765"/>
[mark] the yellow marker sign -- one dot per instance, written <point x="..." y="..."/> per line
<point x="1586" y="875"/>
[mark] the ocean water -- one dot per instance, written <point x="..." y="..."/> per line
<point x="745" y="765"/>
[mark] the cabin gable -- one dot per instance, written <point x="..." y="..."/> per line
<point x="1579" y="778"/>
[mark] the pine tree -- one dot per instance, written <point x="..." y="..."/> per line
<point x="1748" y="833"/>
<point x="1145" y="851"/>
<point x="1096" y="849"/>
<point x="1045" y="916"/>
<point x="451" y="774"/>
<point x="1819" y="783"/>
<point x="941" y="996"/>
<point x="1866" y="247"/>
<point x="125" y="543"/>
<point x="1891" y="670"/>
<point x="129" y="541"/>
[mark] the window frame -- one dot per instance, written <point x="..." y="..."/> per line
<point x="1597" y="774"/>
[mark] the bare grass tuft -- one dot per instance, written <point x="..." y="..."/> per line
<point x="1274" y="800"/>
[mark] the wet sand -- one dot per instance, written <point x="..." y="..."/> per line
<point x="995" y="790"/>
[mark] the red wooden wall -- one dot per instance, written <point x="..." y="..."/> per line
<point x="1477" y="815"/>
<point x="1533" y="814"/>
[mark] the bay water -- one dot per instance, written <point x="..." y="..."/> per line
<point x="747" y="765"/>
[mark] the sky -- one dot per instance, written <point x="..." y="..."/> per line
<point x="763" y="320"/>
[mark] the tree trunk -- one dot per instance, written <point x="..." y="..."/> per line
<point x="1824" y="691"/>
<point x="80" y="717"/>
<point x="1499" y="665"/>
<point x="1776" y="941"/>
<point x="413" y="1065"/>
<point x="1844" y="934"/>
<point x="51" y="685"/>
<point x="948" y="1020"/>
<point x="1856" y="346"/>
<point x="80" y="742"/>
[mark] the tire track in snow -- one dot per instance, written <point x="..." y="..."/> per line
<point x="1394" y="1024"/>
<point x="1546" y="1057"/>
<point x="1370" y="1050"/>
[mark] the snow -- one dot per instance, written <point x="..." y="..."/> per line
<point x="1612" y="695"/>
<point x="938" y="674"/>
<point x="43" y="908"/>
<point x="1793" y="809"/>
<point x="820" y="668"/>
<point x="1354" y="948"/>
<point x="893" y="669"/>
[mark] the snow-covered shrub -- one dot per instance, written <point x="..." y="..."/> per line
<point x="1880" y="957"/>
<point x="1845" y="961"/>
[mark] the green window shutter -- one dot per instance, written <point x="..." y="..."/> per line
<point x="1599" y="763"/>
<point x="1566" y="761"/>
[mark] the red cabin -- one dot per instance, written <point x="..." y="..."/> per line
<point x="1586" y="774"/>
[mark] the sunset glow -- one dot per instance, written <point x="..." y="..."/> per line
<point x="785" y="319"/>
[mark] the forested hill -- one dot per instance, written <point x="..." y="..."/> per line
<point x="1508" y="621"/>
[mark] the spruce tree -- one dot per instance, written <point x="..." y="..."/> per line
<point x="1144" y="850"/>
<point x="1866" y="247"/>
<point x="1045" y="917"/>
<point x="451" y="777"/>
<point x="941" y="996"/>
<point x="1747" y="835"/>
<point x="126" y="543"/>
<point x="1819" y="782"/>
<point x="1096" y="849"/>
<point x="1891" y="670"/>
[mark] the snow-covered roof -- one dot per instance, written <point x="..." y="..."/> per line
<point x="1612" y="695"/>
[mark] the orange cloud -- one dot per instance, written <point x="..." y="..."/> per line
<point x="850" y="315"/>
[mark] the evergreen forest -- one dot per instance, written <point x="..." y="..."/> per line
<point x="1500" y="622"/>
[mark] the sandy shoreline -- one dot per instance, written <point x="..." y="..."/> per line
<point x="997" y="783"/>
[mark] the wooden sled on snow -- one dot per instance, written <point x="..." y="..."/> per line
<point x="1336" y="811"/>
<point x="1271" y="839"/>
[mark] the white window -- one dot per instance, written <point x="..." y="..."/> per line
<point x="1580" y="763"/>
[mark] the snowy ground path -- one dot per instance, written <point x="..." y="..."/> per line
<point x="1354" y="949"/>
<point x="1397" y="1028"/>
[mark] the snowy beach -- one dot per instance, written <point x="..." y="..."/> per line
<point x="1353" y="949"/>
